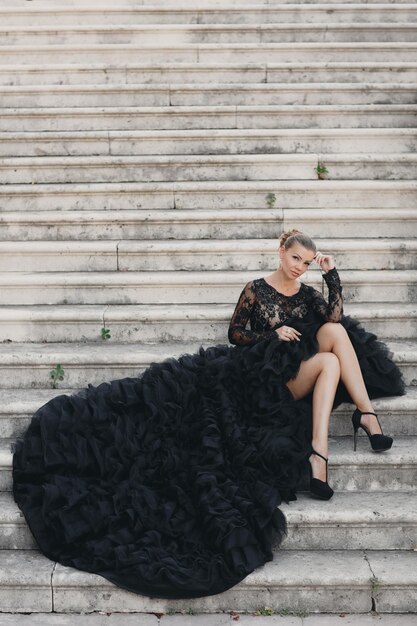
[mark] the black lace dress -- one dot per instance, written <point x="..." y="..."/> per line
<point x="168" y="484"/>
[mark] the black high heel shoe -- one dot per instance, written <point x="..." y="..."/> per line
<point x="319" y="488"/>
<point x="378" y="442"/>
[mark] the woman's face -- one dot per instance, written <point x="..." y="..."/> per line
<point x="296" y="260"/>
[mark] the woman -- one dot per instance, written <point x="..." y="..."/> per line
<point x="275" y="306"/>
<point x="168" y="484"/>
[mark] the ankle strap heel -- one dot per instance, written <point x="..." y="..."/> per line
<point x="379" y="442"/>
<point x="320" y="488"/>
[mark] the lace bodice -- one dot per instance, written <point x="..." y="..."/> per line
<point x="266" y="309"/>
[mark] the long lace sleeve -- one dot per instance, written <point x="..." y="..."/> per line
<point x="332" y="310"/>
<point x="238" y="334"/>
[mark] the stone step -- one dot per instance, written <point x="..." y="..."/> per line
<point x="81" y="225"/>
<point x="362" y="470"/>
<point x="330" y="581"/>
<point x="207" y="117"/>
<point x="180" y="142"/>
<point x="195" y="255"/>
<point x="180" y="34"/>
<point x="161" y="323"/>
<point x="161" y="168"/>
<point x="25" y="365"/>
<point x="271" y="167"/>
<point x="337" y="196"/>
<point x="293" y="52"/>
<point x="252" y="13"/>
<point x="173" y="287"/>
<point x="363" y="521"/>
<point x="397" y="414"/>
<point x="212" y="94"/>
<point x="69" y="74"/>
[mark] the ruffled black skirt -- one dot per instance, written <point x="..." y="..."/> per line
<point x="168" y="484"/>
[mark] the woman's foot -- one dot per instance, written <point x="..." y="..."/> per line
<point x="319" y="487"/>
<point x="371" y="424"/>
<point x="318" y="467"/>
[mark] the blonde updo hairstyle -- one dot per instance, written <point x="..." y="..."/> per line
<point x="290" y="237"/>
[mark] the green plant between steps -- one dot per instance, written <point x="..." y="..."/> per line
<point x="270" y="200"/>
<point x="321" y="170"/>
<point x="105" y="333"/>
<point x="265" y="611"/>
<point x="56" y="374"/>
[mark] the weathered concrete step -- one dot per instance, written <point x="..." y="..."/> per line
<point x="295" y="581"/>
<point x="68" y="74"/>
<point x="294" y="52"/>
<point x="180" y="34"/>
<point x="210" y="619"/>
<point x="165" y="224"/>
<point x="271" y="167"/>
<point x="338" y="196"/>
<point x="180" y="142"/>
<point x="160" y="168"/>
<point x="362" y="521"/>
<point x="25" y="365"/>
<point x="207" y="117"/>
<point x="397" y="414"/>
<point x="221" y="14"/>
<point x="195" y="255"/>
<point x="257" y="223"/>
<point x="212" y="94"/>
<point x="161" y="323"/>
<point x="185" y="287"/>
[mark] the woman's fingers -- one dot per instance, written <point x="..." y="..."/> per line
<point x="287" y="333"/>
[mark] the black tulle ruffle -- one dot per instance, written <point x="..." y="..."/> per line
<point x="169" y="484"/>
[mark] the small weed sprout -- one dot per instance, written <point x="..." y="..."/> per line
<point x="321" y="171"/>
<point x="56" y="374"/>
<point x="105" y="333"/>
<point x="270" y="200"/>
<point x="265" y="611"/>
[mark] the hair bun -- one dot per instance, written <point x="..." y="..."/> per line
<point x="288" y="234"/>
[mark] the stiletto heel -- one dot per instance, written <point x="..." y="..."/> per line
<point x="320" y="488"/>
<point x="379" y="442"/>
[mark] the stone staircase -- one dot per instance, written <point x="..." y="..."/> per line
<point x="139" y="144"/>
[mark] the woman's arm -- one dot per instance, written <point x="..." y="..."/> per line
<point x="332" y="311"/>
<point x="238" y="335"/>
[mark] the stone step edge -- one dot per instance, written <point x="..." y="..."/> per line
<point x="257" y="27"/>
<point x="172" y="88"/>
<point x="344" y="186"/>
<point x="128" y="354"/>
<point x="189" y="313"/>
<point x="343" y="571"/>
<point x="222" y="7"/>
<point x="201" y="216"/>
<point x="189" y="278"/>
<point x="177" y="65"/>
<point x="307" y="157"/>
<point x="211" y="133"/>
<point x="219" y="47"/>
<point x="195" y="215"/>
<point x="215" y="109"/>
<point x="200" y="246"/>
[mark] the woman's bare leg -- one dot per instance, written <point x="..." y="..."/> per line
<point x="332" y="337"/>
<point x="321" y="374"/>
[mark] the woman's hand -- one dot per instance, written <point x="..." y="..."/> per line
<point x="286" y="333"/>
<point x="325" y="261"/>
